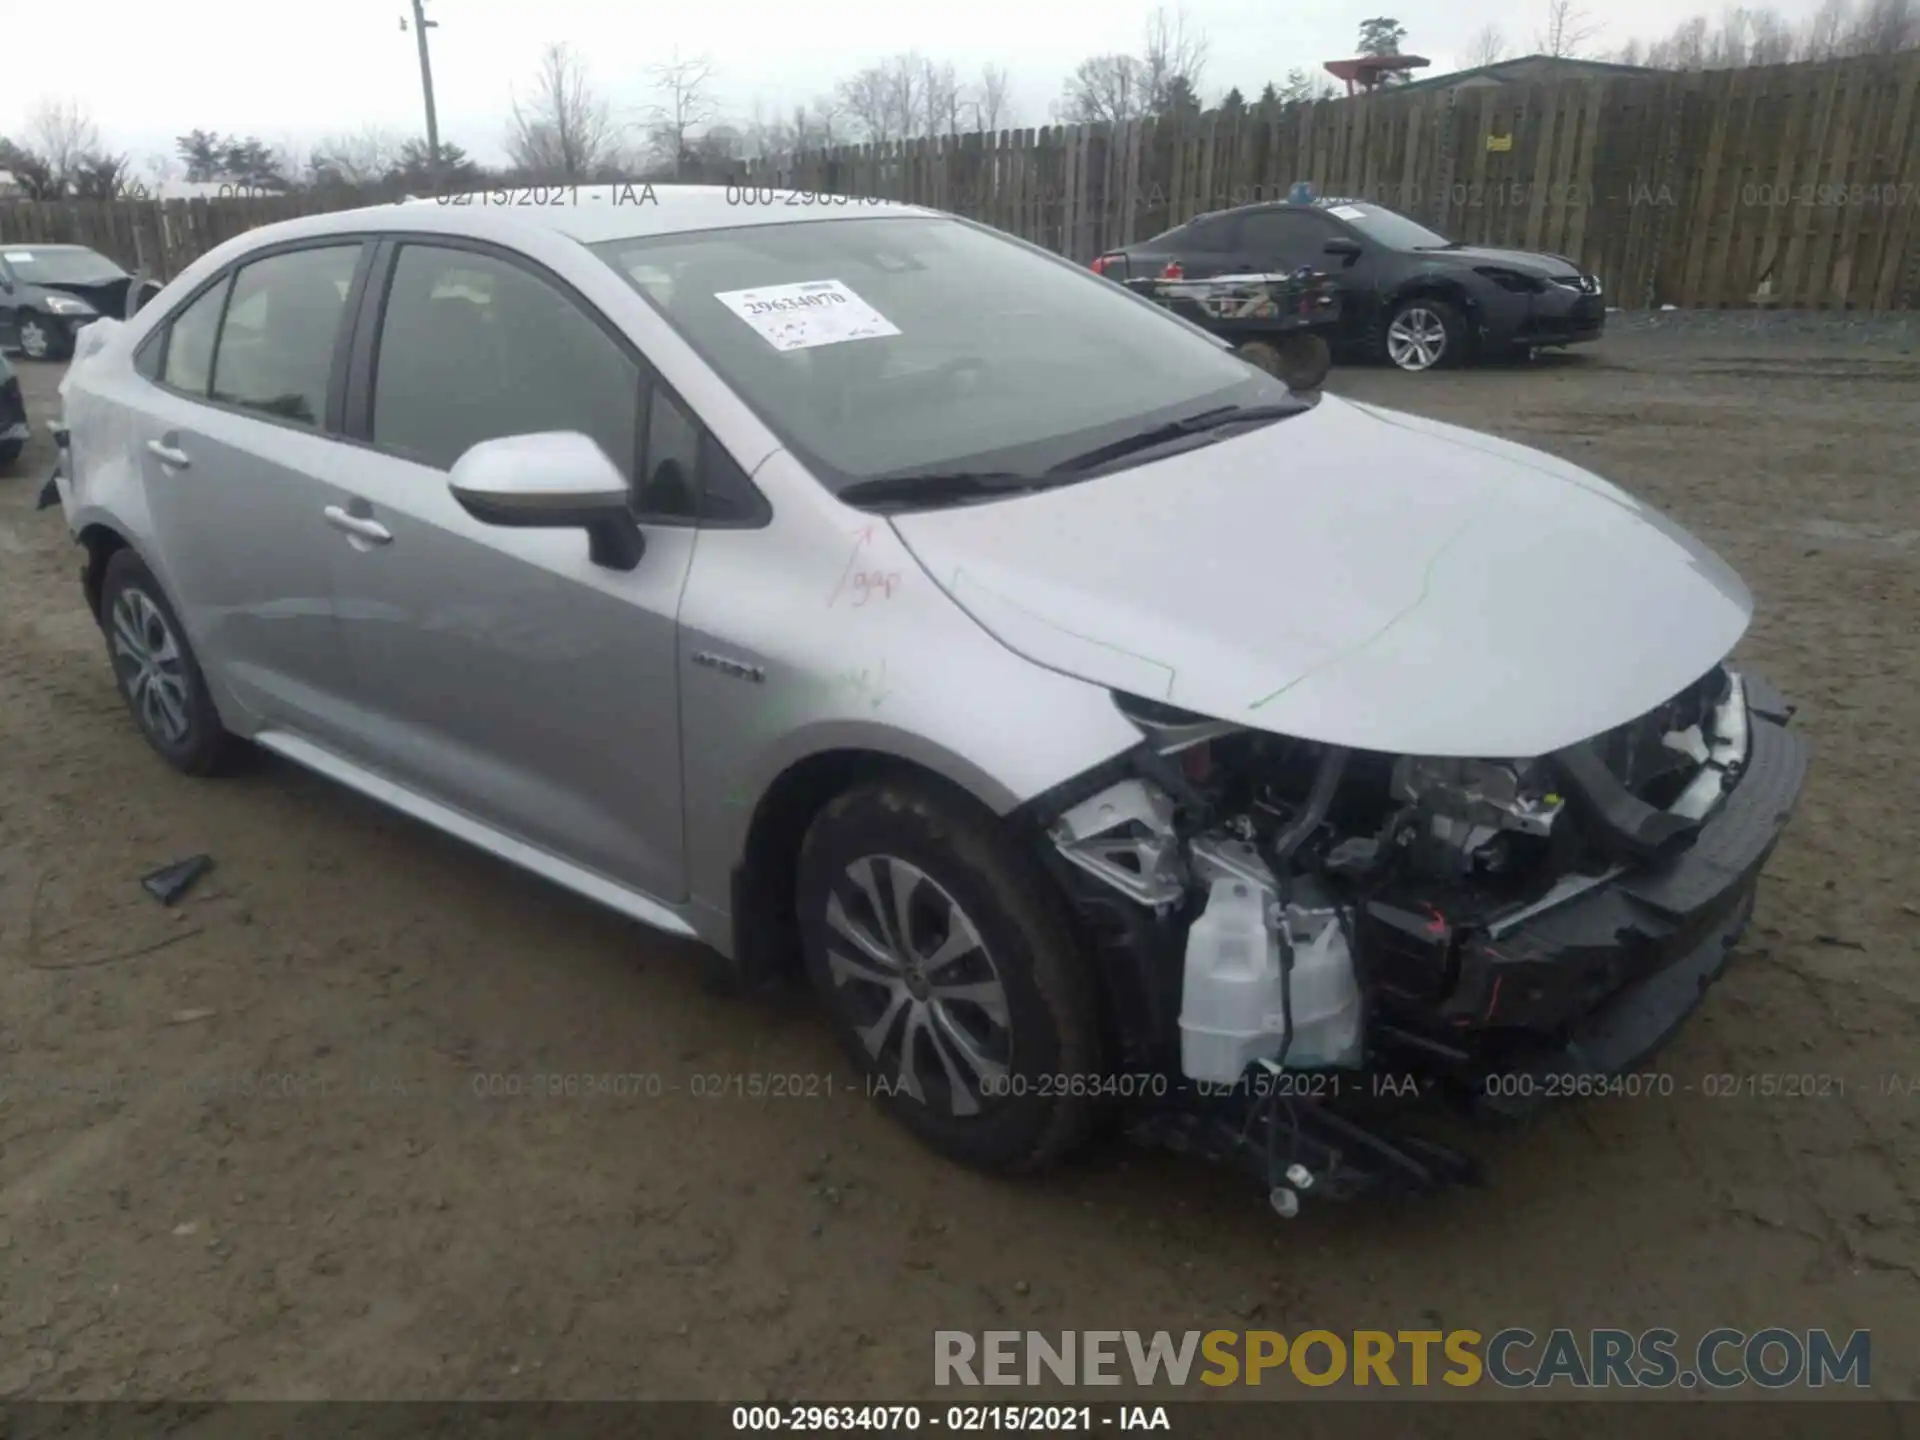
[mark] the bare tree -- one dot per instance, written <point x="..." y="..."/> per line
<point x="1684" y="49"/>
<point x="1300" y="86"/>
<point x="360" y="158"/>
<point x="1746" y="37"/>
<point x="63" y="134"/>
<point x="1105" y="90"/>
<point x="940" y="99"/>
<point x="1567" y="30"/>
<point x="1885" y="27"/>
<point x="685" y="106"/>
<point x="1826" y="33"/>
<point x="820" y="126"/>
<point x="1172" y="59"/>
<point x="902" y="98"/>
<point x="286" y="159"/>
<point x="865" y="98"/>
<point x="157" y="168"/>
<point x="1487" y="47"/>
<point x="564" y="130"/>
<point x="991" y="106"/>
<point x="1771" y="39"/>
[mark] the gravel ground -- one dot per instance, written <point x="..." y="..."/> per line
<point x="375" y="1228"/>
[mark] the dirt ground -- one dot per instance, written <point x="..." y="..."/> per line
<point x="376" y="1228"/>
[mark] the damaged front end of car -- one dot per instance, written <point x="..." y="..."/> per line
<point x="1304" y="940"/>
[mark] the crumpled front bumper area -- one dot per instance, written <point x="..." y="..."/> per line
<point x="1593" y="984"/>
<point x="1299" y="1012"/>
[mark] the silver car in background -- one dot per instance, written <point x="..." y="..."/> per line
<point x="864" y="592"/>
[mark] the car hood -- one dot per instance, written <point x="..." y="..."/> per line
<point x="1530" y="261"/>
<point x="1355" y="576"/>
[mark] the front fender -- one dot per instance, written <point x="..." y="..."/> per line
<point x="784" y="659"/>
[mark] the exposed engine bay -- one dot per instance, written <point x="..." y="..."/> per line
<point x="1339" y="911"/>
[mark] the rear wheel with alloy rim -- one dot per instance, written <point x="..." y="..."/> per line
<point x="950" y="974"/>
<point x="1424" y="333"/>
<point x="155" y="669"/>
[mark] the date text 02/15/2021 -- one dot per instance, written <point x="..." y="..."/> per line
<point x="959" y="1419"/>
<point x="642" y="193"/>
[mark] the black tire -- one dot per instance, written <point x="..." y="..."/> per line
<point x="58" y="344"/>
<point x="138" y="621"/>
<point x="1417" y="317"/>
<point x="956" y="862"/>
<point x="10" y="452"/>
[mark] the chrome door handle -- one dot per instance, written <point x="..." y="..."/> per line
<point x="358" y="526"/>
<point x="167" y="455"/>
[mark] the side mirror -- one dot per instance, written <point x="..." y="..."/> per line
<point x="1343" y="246"/>
<point x="557" y="480"/>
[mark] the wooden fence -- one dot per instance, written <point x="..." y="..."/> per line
<point x="166" y="236"/>
<point x="1790" y="185"/>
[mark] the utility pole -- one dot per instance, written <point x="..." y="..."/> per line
<point x="420" y="27"/>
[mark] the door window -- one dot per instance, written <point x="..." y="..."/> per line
<point x="1207" y="235"/>
<point x="277" y="342"/>
<point x="189" y="364"/>
<point x="1287" y="238"/>
<point x="473" y="348"/>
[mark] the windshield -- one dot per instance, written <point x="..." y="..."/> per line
<point x="886" y="346"/>
<point x="61" y="267"/>
<point x="1388" y="228"/>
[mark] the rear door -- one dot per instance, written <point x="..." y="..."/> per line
<point x="500" y="671"/>
<point x="234" y="412"/>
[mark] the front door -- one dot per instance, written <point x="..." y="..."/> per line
<point x="500" y="671"/>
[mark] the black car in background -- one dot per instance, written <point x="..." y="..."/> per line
<point x="47" y="292"/>
<point x="13" y="416"/>
<point x="1407" y="295"/>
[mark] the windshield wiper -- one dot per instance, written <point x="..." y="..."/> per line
<point x="940" y="485"/>
<point x="1177" y="430"/>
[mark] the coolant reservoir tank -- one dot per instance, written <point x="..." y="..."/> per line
<point x="1232" y="998"/>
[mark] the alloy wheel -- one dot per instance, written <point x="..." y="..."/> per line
<point x="151" y="666"/>
<point x="1417" y="339"/>
<point x="34" y="340"/>
<point x="918" y="983"/>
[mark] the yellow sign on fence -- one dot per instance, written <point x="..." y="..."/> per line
<point x="1499" y="142"/>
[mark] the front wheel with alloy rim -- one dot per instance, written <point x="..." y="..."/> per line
<point x="155" y="669"/>
<point x="950" y="973"/>
<point x="1424" y="333"/>
<point x="44" y="338"/>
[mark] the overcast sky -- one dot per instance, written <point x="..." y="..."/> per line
<point x="297" y="70"/>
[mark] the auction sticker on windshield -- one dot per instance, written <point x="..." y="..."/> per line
<point x="19" y="257"/>
<point x="811" y="313"/>
<point x="1348" y="212"/>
